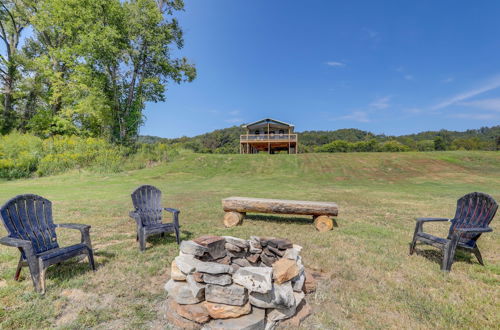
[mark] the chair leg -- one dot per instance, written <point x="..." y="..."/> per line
<point x="477" y="253"/>
<point x="177" y="236"/>
<point x="142" y="241"/>
<point x="19" y="267"/>
<point x="418" y="228"/>
<point x="42" y="277"/>
<point x="449" y="254"/>
<point x="90" y="255"/>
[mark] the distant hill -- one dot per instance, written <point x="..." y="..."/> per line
<point x="227" y="140"/>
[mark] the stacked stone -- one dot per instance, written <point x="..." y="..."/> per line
<point x="230" y="283"/>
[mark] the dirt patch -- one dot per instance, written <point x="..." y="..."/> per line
<point x="78" y="300"/>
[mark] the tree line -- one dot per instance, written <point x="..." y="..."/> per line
<point x="87" y="67"/>
<point x="347" y="140"/>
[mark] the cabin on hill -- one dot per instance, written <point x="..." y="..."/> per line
<point x="268" y="135"/>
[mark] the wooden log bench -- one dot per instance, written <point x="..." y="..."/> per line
<point x="237" y="207"/>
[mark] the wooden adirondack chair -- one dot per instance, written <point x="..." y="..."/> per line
<point x="28" y="220"/>
<point x="148" y="215"/>
<point x="472" y="217"/>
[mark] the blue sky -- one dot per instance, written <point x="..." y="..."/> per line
<point x="392" y="67"/>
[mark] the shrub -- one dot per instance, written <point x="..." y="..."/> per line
<point x="425" y="145"/>
<point x="21" y="155"/>
<point x="393" y="146"/>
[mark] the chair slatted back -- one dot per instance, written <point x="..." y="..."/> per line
<point x="29" y="217"/>
<point x="147" y="202"/>
<point x="474" y="210"/>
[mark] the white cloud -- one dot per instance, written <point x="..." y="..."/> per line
<point x="413" y="110"/>
<point x="408" y="77"/>
<point x="381" y="102"/>
<point x="486" y="104"/>
<point x="335" y="64"/>
<point x="492" y="84"/>
<point x="234" y="120"/>
<point x="360" y="116"/>
<point x="448" y="80"/>
<point x="234" y="112"/>
<point x="372" y="34"/>
<point x="476" y="116"/>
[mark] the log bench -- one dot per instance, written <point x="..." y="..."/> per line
<point x="237" y="207"/>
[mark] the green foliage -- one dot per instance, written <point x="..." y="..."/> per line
<point x="19" y="155"/>
<point x="362" y="146"/>
<point x="90" y="73"/>
<point x="22" y="155"/>
<point x="425" y="145"/>
<point x="226" y="141"/>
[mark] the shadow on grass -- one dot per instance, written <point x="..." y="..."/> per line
<point x="437" y="256"/>
<point x="169" y="238"/>
<point x="279" y="219"/>
<point x="78" y="265"/>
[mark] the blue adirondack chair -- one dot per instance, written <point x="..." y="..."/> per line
<point x="28" y="220"/>
<point x="148" y="215"/>
<point x="472" y="218"/>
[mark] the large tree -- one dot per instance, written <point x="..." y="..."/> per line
<point x="90" y="65"/>
<point x="139" y="72"/>
<point x="13" y="20"/>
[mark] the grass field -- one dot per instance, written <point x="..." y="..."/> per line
<point x="369" y="281"/>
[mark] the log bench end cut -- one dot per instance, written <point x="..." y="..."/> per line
<point x="237" y="207"/>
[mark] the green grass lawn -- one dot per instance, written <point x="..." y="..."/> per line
<point x="369" y="281"/>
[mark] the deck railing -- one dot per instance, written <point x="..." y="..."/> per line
<point x="268" y="137"/>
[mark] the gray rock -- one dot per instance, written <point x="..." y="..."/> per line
<point x="214" y="244"/>
<point x="256" y="320"/>
<point x="233" y="294"/>
<point x="293" y="253"/>
<point x="236" y="241"/>
<point x="255" y="279"/>
<point x="276" y="251"/>
<point x="197" y="289"/>
<point x="181" y="292"/>
<point x="241" y="262"/>
<point x="186" y="263"/>
<point x="213" y="268"/>
<point x="267" y="260"/>
<point x="271" y="325"/>
<point x="255" y="247"/>
<point x="280" y="296"/>
<point x="222" y="279"/>
<point x="280" y="243"/>
<point x="190" y="247"/>
<point x="232" y="247"/>
<point x="278" y="314"/>
<point x="233" y="254"/>
<point x="298" y="282"/>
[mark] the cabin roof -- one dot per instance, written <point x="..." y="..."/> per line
<point x="267" y="120"/>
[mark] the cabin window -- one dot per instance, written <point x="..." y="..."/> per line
<point x="257" y="132"/>
<point x="272" y="132"/>
<point x="282" y="131"/>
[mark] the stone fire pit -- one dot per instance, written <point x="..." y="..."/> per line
<point x="231" y="283"/>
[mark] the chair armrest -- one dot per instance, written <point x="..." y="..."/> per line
<point x="474" y="230"/>
<point x="174" y="211"/>
<point x="175" y="214"/>
<point x="84" y="231"/>
<point x="431" y="219"/>
<point x="15" y="242"/>
<point x="76" y="226"/>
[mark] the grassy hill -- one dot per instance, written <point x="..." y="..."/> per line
<point x="368" y="280"/>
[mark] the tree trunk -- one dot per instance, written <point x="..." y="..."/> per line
<point x="323" y="223"/>
<point x="232" y="219"/>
